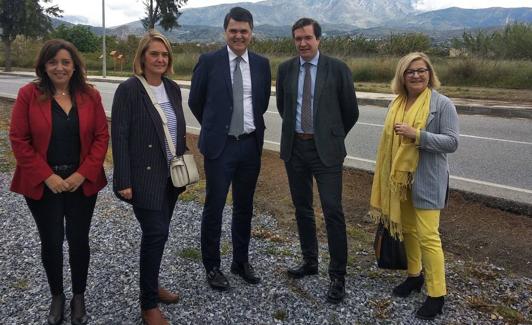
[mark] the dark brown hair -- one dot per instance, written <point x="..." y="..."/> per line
<point x="239" y="14"/>
<point x="302" y="22"/>
<point x="78" y="81"/>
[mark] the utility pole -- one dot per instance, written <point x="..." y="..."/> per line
<point x="104" y="50"/>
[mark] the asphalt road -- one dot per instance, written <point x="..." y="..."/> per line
<point x="494" y="155"/>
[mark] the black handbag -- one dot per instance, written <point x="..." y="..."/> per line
<point x="389" y="251"/>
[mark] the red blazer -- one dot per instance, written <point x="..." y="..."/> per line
<point x="30" y="132"/>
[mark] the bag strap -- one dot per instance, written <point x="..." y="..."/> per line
<point x="155" y="103"/>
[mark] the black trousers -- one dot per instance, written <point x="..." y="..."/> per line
<point x="239" y="165"/>
<point x="155" y="226"/>
<point x="305" y="164"/>
<point x="50" y="214"/>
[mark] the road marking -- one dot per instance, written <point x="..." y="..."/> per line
<point x="511" y="188"/>
<point x="495" y="139"/>
<point x="469" y="180"/>
<point x="465" y="135"/>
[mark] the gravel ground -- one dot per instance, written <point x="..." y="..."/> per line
<point x="486" y="295"/>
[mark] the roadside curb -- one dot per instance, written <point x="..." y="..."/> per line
<point x="462" y="105"/>
<point x="497" y="202"/>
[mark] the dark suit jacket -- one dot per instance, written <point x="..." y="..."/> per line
<point x="211" y="98"/>
<point x="30" y="132"/>
<point x="335" y="107"/>
<point x="139" y="144"/>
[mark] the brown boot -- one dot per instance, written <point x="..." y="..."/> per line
<point x="167" y="297"/>
<point x="153" y="316"/>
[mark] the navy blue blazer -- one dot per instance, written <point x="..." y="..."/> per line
<point x="139" y="143"/>
<point x="211" y="98"/>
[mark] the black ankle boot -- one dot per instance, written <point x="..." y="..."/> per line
<point x="431" y="308"/>
<point x="410" y="284"/>
<point x="56" y="309"/>
<point x="77" y="310"/>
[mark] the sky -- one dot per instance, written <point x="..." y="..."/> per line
<point x="118" y="12"/>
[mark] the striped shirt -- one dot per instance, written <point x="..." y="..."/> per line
<point x="168" y="109"/>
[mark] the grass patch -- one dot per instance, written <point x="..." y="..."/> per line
<point x="359" y="234"/>
<point x="7" y="160"/>
<point x="497" y="311"/>
<point x="276" y="251"/>
<point x="191" y="254"/>
<point x="296" y="288"/>
<point x="22" y="284"/>
<point x="225" y="248"/>
<point x="266" y="234"/>
<point x="351" y="260"/>
<point x="280" y="314"/>
<point x="381" y="308"/>
<point x="195" y="192"/>
<point x="481" y="272"/>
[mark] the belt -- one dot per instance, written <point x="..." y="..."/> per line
<point x="241" y="136"/>
<point x="59" y="168"/>
<point x="305" y="136"/>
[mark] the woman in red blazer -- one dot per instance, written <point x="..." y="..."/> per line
<point x="59" y="138"/>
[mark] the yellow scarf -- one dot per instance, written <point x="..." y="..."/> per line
<point x="397" y="160"/>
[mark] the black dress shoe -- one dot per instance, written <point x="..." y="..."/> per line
<point x="431" y="308"/>
<point x="245" y="270"/>
<point x="57" y="308"/>
<point x="78" y="310"/>
<point x="336" y="291"/>
<point x="302" y="270"/>
<point x="217" y="280"/>
<point x="412" y="283"/>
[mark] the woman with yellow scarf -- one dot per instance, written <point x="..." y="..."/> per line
<point x="411" y="179"/>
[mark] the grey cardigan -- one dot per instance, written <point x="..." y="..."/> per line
<point x="440" y="136"/>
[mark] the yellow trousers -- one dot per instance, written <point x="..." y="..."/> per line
<point x="423" y="246"/>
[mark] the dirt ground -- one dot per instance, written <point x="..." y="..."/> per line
<point x="470" y="229"/>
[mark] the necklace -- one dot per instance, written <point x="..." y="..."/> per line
<point x="61" y="92"/>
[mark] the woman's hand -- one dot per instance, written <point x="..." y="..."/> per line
<point x="74" y="181"/>
<point x="405" y="130"/>
<point x="126" y="193"/>
<point x="56" y="184"/>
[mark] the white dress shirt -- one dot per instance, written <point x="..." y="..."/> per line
<point x="249" y="124"/>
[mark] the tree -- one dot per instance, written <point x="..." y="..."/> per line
<point x="81" y="36"/>
<point x="164" y="12"/>
<point x="401" y="44"/>
<point x="24" y="17"/>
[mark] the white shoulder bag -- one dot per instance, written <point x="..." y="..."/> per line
<point x="183" y="169"/>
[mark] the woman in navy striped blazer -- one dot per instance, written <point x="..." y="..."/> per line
<point x="411" y="179"/>
<point x="141" y="160"/>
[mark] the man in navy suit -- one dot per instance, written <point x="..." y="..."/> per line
<point x="229" y="94"/>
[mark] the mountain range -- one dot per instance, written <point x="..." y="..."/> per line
<point x="372" y="18"/>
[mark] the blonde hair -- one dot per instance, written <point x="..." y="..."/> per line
<point x="138" y="61"/>
<point x="398" y="82"/>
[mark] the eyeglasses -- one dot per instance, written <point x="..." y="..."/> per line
<point x="412" y="72"/>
